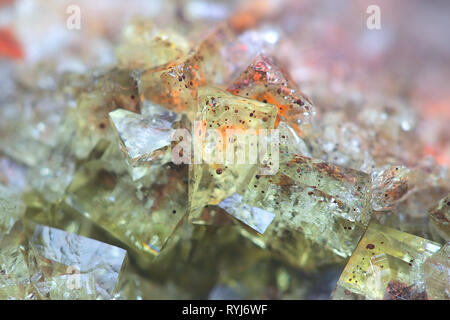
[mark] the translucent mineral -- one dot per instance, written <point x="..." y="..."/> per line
<point x="12" y="209"/>
<point x="15" y="278"/>
<point x="30" y="124"/>
<point x="290" y="143"/>
<point x="141" y="215"/>
<point x="390" y="185"/>
<point x="411" y="214"/>
<point x="52" y="176"/>
<point x="144" y="139"/>
<point x="263" y="80"/>
<point x="342" y="143"/>
<point x="198" y="154"/>
<point x="440" y="218"/>
<point x="214" y="175"/>
<point x="273" y="205"/>
<point x="387" y="264"/>
<point x="80" y="264"/>
<point x="437" y="274"/>
<point x="47" y="263"/>
<point x="145" y="46"/>
<point x="221" y="56"/>
<point x="350" y="186"/>
<point x="105" y="92"/>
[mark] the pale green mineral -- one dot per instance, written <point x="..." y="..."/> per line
<point x="440" y="218"/>
<point x="349" y="186"/>
<point x="144" y="139"/>
<point x="11" y="209"/>
<point x="104" y="92"/>
<point x="387" y="264"/>
<point x="437" y="274"/>
<point x="48" y="263"/>
<point x="297" y="208"/>
<point x="74" y="267"/>
<point x="222" y="165"/>
<point x="139" y="214"/>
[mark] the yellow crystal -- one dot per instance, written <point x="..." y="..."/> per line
<point x="387" y="264"/>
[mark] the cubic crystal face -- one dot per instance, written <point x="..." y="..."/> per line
<point x="387" y="264"/>
<point x="214" y="176"/>
<point x="11" y="209"/>
<point x="350" y="186"/>
<point x="437" y="274"/>
<point x="145" y="46"/>
<point x="15" y="278"/>
<point x="266" y="82"/>
<point x="297" y="208"/>
<point x="144" y="139"/>
<point x="440" y="218"/>
<point x="142" y="216"/>
<point x="220" y="57"/>
<point x="106" y="92"/>
<point x="80" y="263"/>
<point x="54" y="264"/>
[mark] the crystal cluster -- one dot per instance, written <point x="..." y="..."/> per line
<point x="48" y="263"/>
<point x="94" y="168"/>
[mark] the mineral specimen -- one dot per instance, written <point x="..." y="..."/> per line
<point x="221" y="164"/>
<point x="217" y="59"/>
<point x="387" y="264"/>
<point x="88" y="268"/>
<point x="144" y="46"/>
<point x="266" y="82"/>
<point x="389" y="186"/>
<point x="53" y="264"/>
<point x="282" y="205"/>
<point x="142" y="216"/>
<point x="104" y="93"/>
<point x="350" y="186"/>
<point x="198" y="154"/>
<point x="437" y="275"/>
<point x="11" y="209"/>
<point x="440" y="218"/>
<point x="144" y="139"/>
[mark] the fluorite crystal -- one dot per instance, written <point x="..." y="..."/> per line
<point x="437" y="276"/>
<point x="144" y="46"/>
<point x="213" y="175"/>
<point x="47" y="263"/>
<point x="350" y="186"/>
<point x="440" y="218"/>
<point x="265" y="81"/>
<point x="387" y="264"/>
<point x="144" y="139"/>
<point x="88" y="268"/>
<point x="191" y="146"/>
<point x="142" y="216"/>
<point x="280" y="205"/>
<point x="11" y="209"/>
<point x="104" y="93"/>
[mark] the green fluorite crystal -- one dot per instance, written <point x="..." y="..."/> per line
<point x="297" y="208"/>
<point x="437" y="275"/>
<point x="212" y="178"/>
<point x="11" y="209"/>
<point x="141" y="215"/>
<point x="440" y="218"/>
<point x="387" y="264"/>
<point x="47" y="263"/>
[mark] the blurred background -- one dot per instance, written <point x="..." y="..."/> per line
<point x="325" y="44"/>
